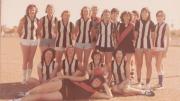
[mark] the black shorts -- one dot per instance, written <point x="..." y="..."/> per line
<point x="105" y="49"/>
<point x="71" y="91"/>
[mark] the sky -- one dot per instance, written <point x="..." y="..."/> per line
<point x="14" y="10"/>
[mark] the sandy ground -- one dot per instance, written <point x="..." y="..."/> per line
<point x="10" y="73"/>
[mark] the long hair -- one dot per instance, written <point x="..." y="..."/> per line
<point x="147" y="10"/>
<point x="96" y="52"/>
<point x="161" y="11"/>
<point x="124" y="13"/>
<point x="30" y="6"/>
<point x="85" y="7"/>
<point x="44" y="52"/>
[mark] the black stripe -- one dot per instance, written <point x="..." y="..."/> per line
<point x="59" y="26"/>
<point x="106" y="28"/>
<point x="71" y="26"/>
<point x="49" y="28"/>
<point x="76" y="65"/>
<point x="84" y="31"/>
<point x="43" y="27"/>
<point x="111" y="41"/>
<point x="158" y="27"/>
<point x="25" y="28"/>
<point x="149" y="36"/>
<point x="143" y="32"/>
<point x="162" y="38"/>
<point x="112" y="66"/>
<point x="32" y="28"/>
<point x="89" y="31"/>
<point x="79" y="25"/>
<point x="64" y="34"/>
<point x="137" y="26"/>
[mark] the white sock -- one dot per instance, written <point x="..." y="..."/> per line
<point x="143" y="92"/>
<point x="29" y="71"/>
<point x="24" y="74"/>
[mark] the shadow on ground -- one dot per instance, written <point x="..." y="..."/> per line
<point x="10" y="90"/>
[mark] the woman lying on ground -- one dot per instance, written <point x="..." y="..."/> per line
<point x="121" y="83"/>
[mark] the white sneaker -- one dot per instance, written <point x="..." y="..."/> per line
<point x="158" y="86"/>
<point x="139" y="86"/>
<point x="147" y="87"/>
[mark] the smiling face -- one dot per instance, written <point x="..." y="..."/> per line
<point x="126" y="17"/>
<point x="85" y="12"/>
<point x="65" y="16"/>
<point x="96" y="83"/>
<point x="32" y="11"/>
<point x="97" y="58"/>
<point x="114" y="16"/>
<point x="118" y="55"/>
<point x="160" y="16"/>
<point x="50" y="10"/>
<point x="145" y="15"/>
<point x="106" y="16"/>
<point x="48" y="56"/>
<point x="94" y="11"/>
<point x="70" y="52"/>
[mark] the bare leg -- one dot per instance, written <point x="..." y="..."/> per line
<point x="79" y="53"/>
<point x="86" y="57"/>
<point x="53" y="96"/>
<point x="47" y="87"/>
<point x="148" y="58"/>
<point x="139" y="62"/>
<point x="128" y="65"/>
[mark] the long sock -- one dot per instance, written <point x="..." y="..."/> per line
<point x="24" y="74"/>
<point x="29" y="71"/>
<point x="160" y="79"/>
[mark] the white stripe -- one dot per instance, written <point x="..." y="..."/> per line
<point x="87" y="31"/>
<point x="109" y="35"/>
<point x="46" y="28"/>
<point x="82" y="30"/>
<point x="115" y="72"/>
<point x="61" y="34"/>
<point x="73" y="66"/>
<point x="66" y="67"/>
<point x="140" y="35"/>
<point x="102" y="35"/>
<point x="68" y="33"/>
<point x="122" y="71"/>
<point x="28" y="28"/>
<point x="145" y="42"/>
<point x="160" y="35"/>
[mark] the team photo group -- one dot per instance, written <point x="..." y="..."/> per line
<point x="95" y="57"/>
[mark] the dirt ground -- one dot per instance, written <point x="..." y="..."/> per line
<point x="10" y="73"/>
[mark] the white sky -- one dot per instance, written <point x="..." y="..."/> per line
<point x="13" y="10"/>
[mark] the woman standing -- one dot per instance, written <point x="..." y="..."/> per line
<point x="144" y="30"/>
<point x="125" y="39"/>
<point x="105" y="42"/>
<point x="83" y="43"/>
<point x="65" y="35"/>
<point x="47" y="28"/>
<point x="27" y="31"/>
<point x="161" y="44"/>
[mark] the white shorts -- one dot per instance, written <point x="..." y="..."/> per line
<point x="83" y="45"/>
<point x="158" y="49"/>
<point x="28" y="42"/>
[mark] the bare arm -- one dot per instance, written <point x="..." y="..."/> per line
<point x="39" y="29"/>
<point x="106" y="95"/>
<point x="20" y="27"/>
<point x="54" y="73"/>
<point x="40" y="75"/>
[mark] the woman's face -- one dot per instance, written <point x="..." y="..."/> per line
<point x="118" y="55"/>
<point x="94" y="10"/>
<point x="50" y="10"/>
<point x="96" y="83"/>
<point x="70" y="52"/>
<point x="48" y="56"/>
<point x="97" y="58"/>
<point x="32" y="11"/>
<point x="126" y="18"/>
<point x="114" y="15"/>
<point x="85" y="12"/>
<point x="106" y="16"/>
<point x="145" y="15"/>
<point x="66" y="16"/>
<point x="160" y="17"/>
<point x="134" y="17"/>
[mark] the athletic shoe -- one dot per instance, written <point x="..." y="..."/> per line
<point x="149" y="93"/>
<point x="147" y="87"/>
<point x="158" y="86"/>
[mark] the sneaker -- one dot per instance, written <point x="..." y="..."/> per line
<point x="147" y="87"/>
<point x="139" y="86"/>
<point x="149" y="93"/>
